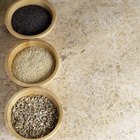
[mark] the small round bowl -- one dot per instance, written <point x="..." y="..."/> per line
<point x="21" y="46"/>
<point x="28" y="92"/>
<point x="21" y="3"/>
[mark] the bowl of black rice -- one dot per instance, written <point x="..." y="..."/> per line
<point x="33" y="113"/>
<point x="28" y="19"/>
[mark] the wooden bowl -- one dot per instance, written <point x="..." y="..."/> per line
<point x="21" y="3"/>
<point x="27" y="92"/>
<point x="21" y="46"/>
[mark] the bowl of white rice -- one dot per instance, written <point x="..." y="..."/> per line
<point x="32" y="63"/>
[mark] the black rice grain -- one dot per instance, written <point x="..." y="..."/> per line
<point x="31" y="20"/>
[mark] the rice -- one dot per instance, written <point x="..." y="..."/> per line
<point x="33" y="64"/>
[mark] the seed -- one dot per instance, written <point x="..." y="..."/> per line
<point x="31" y="20"/>
<point x="31" y="124"/>
<point x="33" y="64"/>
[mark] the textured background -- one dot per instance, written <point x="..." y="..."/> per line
<point x="99" y="78"/>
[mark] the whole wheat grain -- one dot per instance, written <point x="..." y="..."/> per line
<point x="34" y="116"/>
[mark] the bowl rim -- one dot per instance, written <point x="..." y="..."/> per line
<point x="23" y="84"/>
<point x="47" y="92"/>
<point x="31" y="2"/>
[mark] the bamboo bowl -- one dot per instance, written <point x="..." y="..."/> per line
<point x="21" y="3"/>
<point x="21" y="46"/>
<point x="27" y="92"/>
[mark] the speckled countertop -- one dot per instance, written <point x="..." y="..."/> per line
<point x="98" y="81"/>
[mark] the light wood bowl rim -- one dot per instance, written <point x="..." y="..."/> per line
<point x="13" y="50"/>
<point x="16" y="5"/>
<point x="26" y="92"/>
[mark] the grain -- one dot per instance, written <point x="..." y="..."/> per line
<point x="31" y="20"/>
<point x="34" y="116"/>
<point x="33" y="65"/>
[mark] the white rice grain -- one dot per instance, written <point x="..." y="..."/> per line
<point x="33" y="65"/>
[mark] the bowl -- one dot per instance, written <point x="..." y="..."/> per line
<point x="28" y="92"/>
<point x="21" y="3"/>
<point x="23" y="45"/>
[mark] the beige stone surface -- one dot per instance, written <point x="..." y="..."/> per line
<point x="98" y="82"/>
